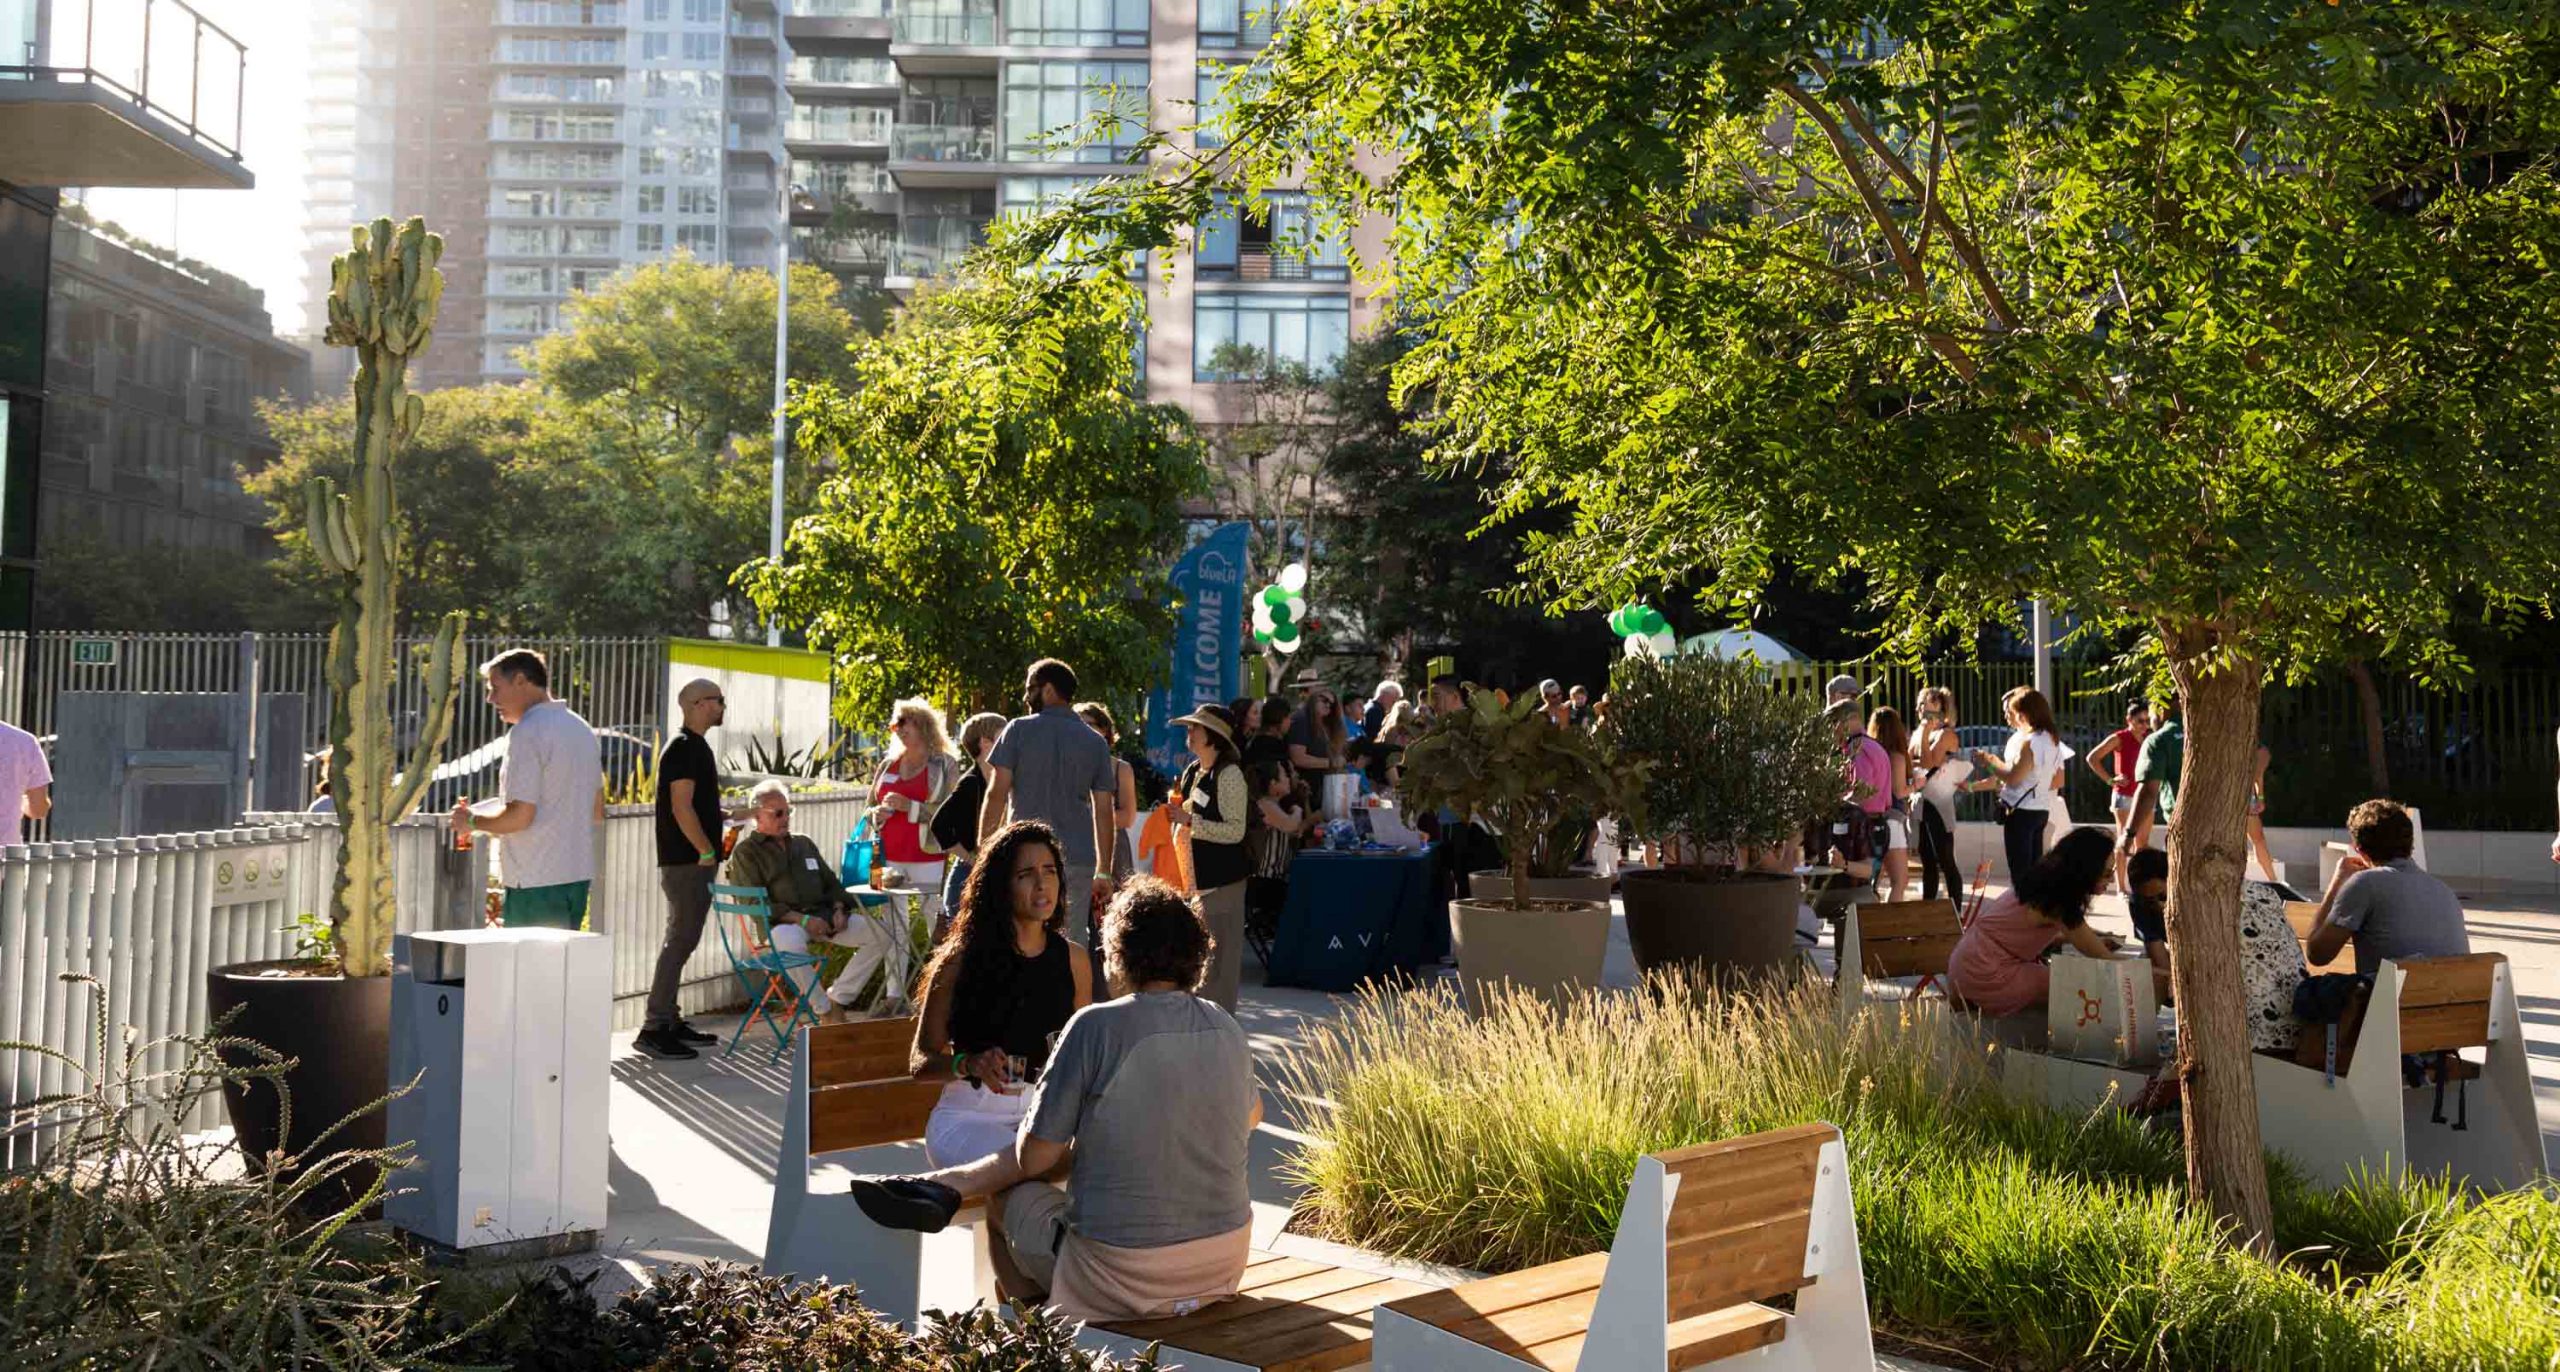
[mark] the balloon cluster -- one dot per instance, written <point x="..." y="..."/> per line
<point x="1643" y="629"/>
<point x="1281" y="609"/>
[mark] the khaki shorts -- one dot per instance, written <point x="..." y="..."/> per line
<point x="1035" y="1228"/>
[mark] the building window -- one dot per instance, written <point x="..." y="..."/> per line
<point x="584" y="278"/>
<point x="702" y="240"/>
<point x="519" y="318"/>
<point x="1238" y="23"/>
<point x="1239" y="336"/>
<point x="860" y="125"/>
<point x="697" y="200"/>
<point x="653" y="11"/>
<point x="1078" y="23"/>
<point x="650" y="238"/>
<point x="514" y="280"/>
<point x="845" y="71"/>
<point x="1221" y="85"/>
<point x="1287" y="244"/>
<point x="1049" y="106"/>
<point x="702" y="11"/>
<point x="653" y="47"/>
<point x="649" y="162"/>
<point x="702" y="47"/>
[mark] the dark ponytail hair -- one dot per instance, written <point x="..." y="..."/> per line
<point x="2062" y="882"/>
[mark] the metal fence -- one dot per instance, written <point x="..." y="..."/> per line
<point x="618" y="684"/>
<point x="2478" y="758"/>
<point x="149" y="917"/>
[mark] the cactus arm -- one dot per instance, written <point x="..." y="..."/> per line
<point x="444" y="687"/>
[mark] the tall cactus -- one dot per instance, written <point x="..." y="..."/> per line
<point x="382" y="303"/>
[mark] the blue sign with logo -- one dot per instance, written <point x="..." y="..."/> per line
<point x="1204" y="667"/>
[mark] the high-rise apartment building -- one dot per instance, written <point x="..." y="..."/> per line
<point x="913" y="123"/>
<point x="551" y="142"/>
<point x="554" y="142"/>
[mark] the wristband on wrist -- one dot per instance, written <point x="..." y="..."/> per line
<point x="710" y="856"/>
<point x="959" y="1063"/>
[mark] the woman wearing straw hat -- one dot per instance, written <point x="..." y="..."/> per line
<point x="1211" y="804"/>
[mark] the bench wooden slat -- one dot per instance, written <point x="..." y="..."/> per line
<point x="1446" y="1308"/>
<point x="860" y="1116"/>
<point x="1689" y="1162"/>
<point x="1695" y="1342"/>
<point x="2447" y="981"/>
<point x="1279" y="1270"/>
<point x="1307" y="1289"/>
<point x="861" y="1051"/>
<point x="1520" y="1329"/>
<point x="1908" y="957"/>
<point x="1312" y="1323"/>
<point x="1755" y="1264"/>
<point x="2442" y="1028"/>
<point x="1758" y="1188"/>
<point x="1907" y="919"/>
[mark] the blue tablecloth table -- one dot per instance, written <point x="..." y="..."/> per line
<point x="1351" y="916"/>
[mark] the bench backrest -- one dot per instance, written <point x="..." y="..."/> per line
<point x="1739" y="1222"/>
<point x="860" y="1092"/>
<point x="2444" y="1002"/>
<point x="2305" y="917"/>
<point x="1906" y="938"/>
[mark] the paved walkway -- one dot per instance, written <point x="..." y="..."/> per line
<point x="694" y="1142"/>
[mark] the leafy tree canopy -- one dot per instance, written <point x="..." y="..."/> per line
<point x="1000" y="495"/>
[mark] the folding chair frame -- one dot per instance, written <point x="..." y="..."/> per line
<point x="754" y="910"/>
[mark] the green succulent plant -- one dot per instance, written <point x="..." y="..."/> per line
<point x="1536" y="784"/>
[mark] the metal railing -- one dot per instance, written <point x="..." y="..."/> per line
<point x="159" y="54"/>
<point x="616" y="683"/>
<point x="972" y="28"/>
<point x="943" y="143"/>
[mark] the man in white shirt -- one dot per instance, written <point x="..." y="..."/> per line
<point x="26" y="779"/>
<point x="550" y="797"/>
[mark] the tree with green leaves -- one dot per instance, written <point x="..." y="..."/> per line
<point x="2229" y="322"/>
<point x="1001" y="494"/>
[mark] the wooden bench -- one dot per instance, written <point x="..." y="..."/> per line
<point x="1289" y="1315"/>
<point x="853" y="1104"/>
<point x="2367" y="1117"/>
<point x="1903" y="938"/>
<point x="1708" y="1235"/>
<point x="2304" y="916"/>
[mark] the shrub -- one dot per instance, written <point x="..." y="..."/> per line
<point x="2046" y="1240"/>
<point x="1535" y="785"/>
<point x="1733" y="762"/>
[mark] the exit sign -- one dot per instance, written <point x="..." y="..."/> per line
<point x="93" y="652"/>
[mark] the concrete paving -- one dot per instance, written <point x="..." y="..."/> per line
<point x="694" y="1143"/>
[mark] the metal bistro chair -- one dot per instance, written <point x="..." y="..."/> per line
<point x="765" y="973"/>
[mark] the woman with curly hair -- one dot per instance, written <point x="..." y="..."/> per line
<point x="1003" y="981"/>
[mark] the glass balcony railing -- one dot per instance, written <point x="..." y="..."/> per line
<point x="941" y="26"/>
<point x="943" y="143"/>
<point x="839" y="9"/>
<point x="158" y="54"/>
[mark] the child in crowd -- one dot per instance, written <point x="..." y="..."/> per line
<point x="1279" y="819"/>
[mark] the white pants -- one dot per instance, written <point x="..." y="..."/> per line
<point x="872" y="944"/>
<point x="969" y="1123"/>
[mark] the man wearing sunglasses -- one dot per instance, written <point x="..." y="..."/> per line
<point x="688" y="857"/>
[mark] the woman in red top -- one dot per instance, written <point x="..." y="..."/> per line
<point x="2113" y="761"/>
<point x="912" y="784"/>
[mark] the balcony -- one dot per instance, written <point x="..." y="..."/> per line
<point x="867" y="253"/>
<point x="119" y="93"/>
<point x="838" y="127"/>
<point x="816" y="204"/>
<point x="559" y="14"/>
<point x="940" y="39"/>
<point x="960" y="155"/>
<point x="848" y="19"/>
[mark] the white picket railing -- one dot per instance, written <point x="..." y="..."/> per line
<point x="149" y="917"/>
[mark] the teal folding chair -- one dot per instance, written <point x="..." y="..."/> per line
<point x="765" y="973"/>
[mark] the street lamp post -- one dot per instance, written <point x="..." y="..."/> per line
<point x="781" y="396"/>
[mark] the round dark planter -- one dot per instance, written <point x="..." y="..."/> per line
<point x="1721" y="923"/>
<point x="337" y="1031"/>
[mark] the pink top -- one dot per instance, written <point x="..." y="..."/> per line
<point x="1998" y="962"/>
<point x="1869" y="770"/>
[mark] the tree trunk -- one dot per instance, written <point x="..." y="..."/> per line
<point x="2369" y="702"/>
<point x="2208" y="854"/>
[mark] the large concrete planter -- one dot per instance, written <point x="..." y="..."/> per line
<point x="1554" y="948"/>
<point x="1719" y="923"/>
<point x="1496" y="885"/>
<point x="337" y="1032"/>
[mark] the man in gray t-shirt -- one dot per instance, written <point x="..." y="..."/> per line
<point x="1156" y="1093"/>
<point x="2386" y="904"/>
<point x="1051" y="766"/>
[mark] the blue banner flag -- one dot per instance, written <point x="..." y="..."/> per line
<point x="1204" y="667"/>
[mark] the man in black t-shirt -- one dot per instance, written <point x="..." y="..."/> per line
<point x="688" y="858"/>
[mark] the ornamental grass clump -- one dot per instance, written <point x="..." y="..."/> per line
<point x="2025" y="1236"/>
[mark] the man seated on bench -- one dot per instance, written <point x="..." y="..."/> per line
<point x="2385" y="904"/>
<point x="808" y="900"/>
<point x="1156" y="1093"/>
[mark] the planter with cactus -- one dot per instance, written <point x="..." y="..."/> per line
<point x="330" y="1011"/>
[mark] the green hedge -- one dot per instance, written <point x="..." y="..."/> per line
<point x="2041" y="1239"/>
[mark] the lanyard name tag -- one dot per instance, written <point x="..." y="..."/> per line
<point x="813" y="863"/>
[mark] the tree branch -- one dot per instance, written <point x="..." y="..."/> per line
<point x="1965" y="249"/>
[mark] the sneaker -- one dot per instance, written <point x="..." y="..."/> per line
<point x="689" y="1034"/>
<point x="663" y="1043"/>
<point x="906" y="1202"/>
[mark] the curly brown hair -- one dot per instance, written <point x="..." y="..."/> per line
<point x="1154" y="933"/>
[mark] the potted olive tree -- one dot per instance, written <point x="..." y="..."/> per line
<point x="329" y="1013"/>
<point x="1735" y="769"/>
<point x="1526" y="780"/>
